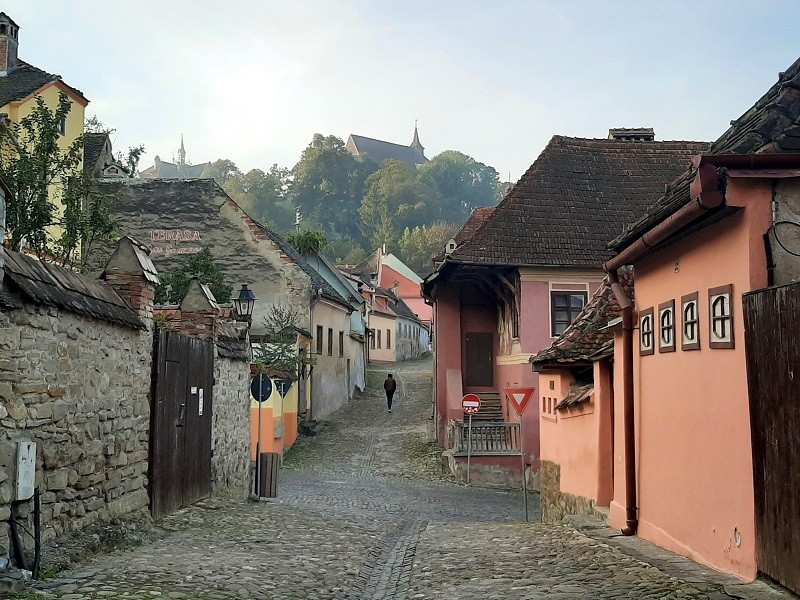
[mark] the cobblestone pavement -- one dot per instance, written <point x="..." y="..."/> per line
<point x="364" y="513"/>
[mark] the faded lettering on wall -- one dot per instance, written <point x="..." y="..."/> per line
<point x="174" y="235"/>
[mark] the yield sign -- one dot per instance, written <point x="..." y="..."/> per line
<point x="519" y="397"/>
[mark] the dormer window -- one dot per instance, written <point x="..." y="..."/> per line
<point x="666" y="321"/>
<point x="690" y="322"/>
<point x="646" y="337"/>
<point x="720" y="308"/>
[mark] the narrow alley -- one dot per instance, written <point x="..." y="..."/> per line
<point x="364" y="513"/>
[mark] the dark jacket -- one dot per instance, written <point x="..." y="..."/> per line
<point x="390" y="385"/>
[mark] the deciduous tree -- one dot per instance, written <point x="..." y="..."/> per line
<point x="200" y="266"/>
<point x="462" y="183"/>
<point x="48" y="212"/>
<point x="420" y="245"/>
<point x="327" y="186"/>
<point x="392" y="196"/>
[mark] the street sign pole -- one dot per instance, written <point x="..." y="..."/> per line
<point x="524" y="479"/>
<point x="470" y="404"/>
<point x="469" y="445"/>
<point x="519" y="399"/>
<point x="258" y="439"/>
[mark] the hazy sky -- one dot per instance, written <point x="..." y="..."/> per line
<point x="253" y="80"/>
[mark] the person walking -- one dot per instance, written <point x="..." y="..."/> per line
<point x="390" y="385"/>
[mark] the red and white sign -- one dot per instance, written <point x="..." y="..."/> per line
<point x="471" y="404"/>
<point x="519" y="398"/>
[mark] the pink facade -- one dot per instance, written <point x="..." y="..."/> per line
<point x="695" y="487"/>
<point x="460" y="309"/>
<point x="407" y="289"/>
<point x="579" y="439"/>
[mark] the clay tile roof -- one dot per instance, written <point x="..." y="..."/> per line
<point x="771" y="125"/>
<point x="93" y="144"/>
<point x="25" y="80"/>
<point x="577" y="395"/>
<point x="586" y="340"/>
<point x="478" y="217"/>
<point x="573" y="199"/>
<point x="51" y="285"/>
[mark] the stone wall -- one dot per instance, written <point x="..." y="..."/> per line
<point x="556" y="504"/>
<point x="230" y="427"/>
<point x="77" y="387"/>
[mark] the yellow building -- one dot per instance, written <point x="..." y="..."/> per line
<point x="21" y="83"/>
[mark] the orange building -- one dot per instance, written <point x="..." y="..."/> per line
<point x="677" y="432"/>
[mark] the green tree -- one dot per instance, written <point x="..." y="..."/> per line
<point x="462" y="184"/>
<point x="392" y="196"/>
<point x="262" y="195"/>
<point x="420" y="245"/>
<point x="222" y="171"/>
<point x="278" y="350"/>
<point x="327" y="186"/>
<point x="48" y="211"/>
<point x="306" y="242"/>
<point x="200" y="266"/>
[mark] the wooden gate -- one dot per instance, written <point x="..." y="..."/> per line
<point x="180" y="421"/>
<point x="772" y="342"/>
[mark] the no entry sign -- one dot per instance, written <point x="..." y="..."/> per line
<point x="519" y="398"/>
<point x="471" y="404"/>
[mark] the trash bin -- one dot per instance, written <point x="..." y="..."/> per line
<point x="267" y="475"/>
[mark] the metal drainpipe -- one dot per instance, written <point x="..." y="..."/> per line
<point x="628" y="425"/>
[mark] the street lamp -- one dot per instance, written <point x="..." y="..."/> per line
<point x="243" y="305"/>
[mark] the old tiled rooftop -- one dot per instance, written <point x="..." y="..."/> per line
<point x="771" y="125"/>
<point x="586" y="340"/>
<point x="573" y="199"/>
<point x="51" y="285"/>
<point x="23" y="81"/>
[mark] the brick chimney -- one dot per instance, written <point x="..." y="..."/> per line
<point x="9" y="42"/>
<point x="199" y="310"/>
<point x="132" y="274"/>
<point x="632" y="134"/>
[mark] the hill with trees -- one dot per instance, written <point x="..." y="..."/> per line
<point x="360" y="205"/>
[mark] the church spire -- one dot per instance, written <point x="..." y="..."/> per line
<point x="182" y="153"/>
<point x="415" y="142"/>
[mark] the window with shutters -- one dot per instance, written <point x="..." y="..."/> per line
<point x="646" y="341"/>
<point x="720" y="306"/>
<point x="690" y="322"/>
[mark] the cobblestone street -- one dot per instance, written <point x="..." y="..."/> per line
<point x="364" y="513"/>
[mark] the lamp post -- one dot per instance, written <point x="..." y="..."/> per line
<point x="243" y="305"/>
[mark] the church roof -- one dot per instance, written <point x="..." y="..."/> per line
<point x="379" y="151"/>
<point x="167" y="170"/>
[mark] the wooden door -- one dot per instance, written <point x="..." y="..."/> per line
<point x="479" y="367"/>
<point x="772" y="345"/>
<point x="180" y="422"/>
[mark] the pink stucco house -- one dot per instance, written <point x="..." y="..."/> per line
<point x="692" y="468"/>
<point x="516" y="276"/>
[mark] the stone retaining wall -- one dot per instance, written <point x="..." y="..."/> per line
<point x="78" y="387"/>
<point x="557" y="504"/>
<point x="230" y="428"/>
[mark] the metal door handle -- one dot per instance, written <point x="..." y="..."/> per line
<point x="182" y="415"/>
